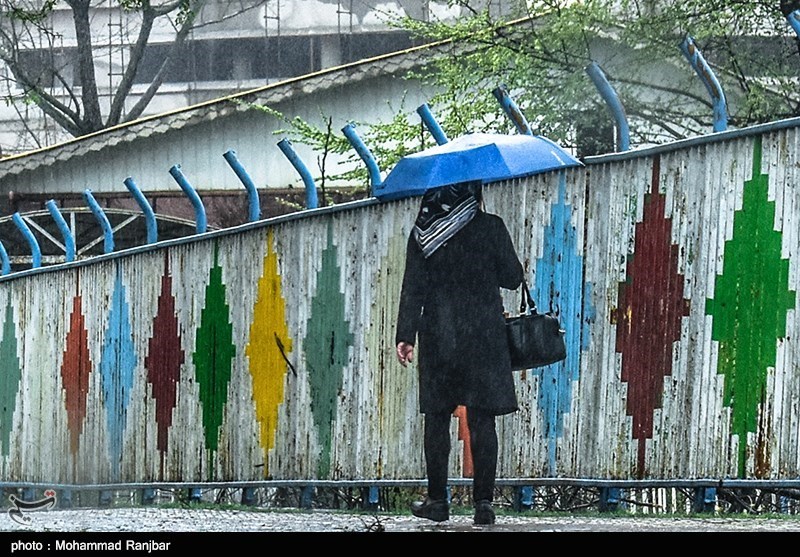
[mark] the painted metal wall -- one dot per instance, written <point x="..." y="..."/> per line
<point x="266" y="351"/>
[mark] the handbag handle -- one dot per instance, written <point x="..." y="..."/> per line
<point x="527" y="299"/>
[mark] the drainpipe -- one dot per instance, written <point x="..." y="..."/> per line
<point x="244" y="177"/>
<point x="695" y="58"/>
<point x="311" y="189"/>
<point x="99" y="214"/>
<point x="512" y="110"/>
<point x="612" y="100"/>
<point x="69" y="241"/>
<point x="6" y="260"/>
<point x="149" y="215"/>
<point x="375" y="179"/>
<point x="36" y="253"/>
<point x="197" y="203"/>
<point x="433" y="126"/>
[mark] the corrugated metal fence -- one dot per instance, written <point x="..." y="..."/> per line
<point x="266" y="351"/>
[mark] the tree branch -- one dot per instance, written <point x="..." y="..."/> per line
<point x="137" y="53"/>
<point x="58" y="112"/>
<point x="25" y="121"/>
<point x="180" y="38"/>
<point x="61" y="113"/>
<point x="92" y="117"/>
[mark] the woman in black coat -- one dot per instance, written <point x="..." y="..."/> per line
<point x="458" y="257"/>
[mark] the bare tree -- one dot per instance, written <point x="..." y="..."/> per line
<point x="58" y="73"/>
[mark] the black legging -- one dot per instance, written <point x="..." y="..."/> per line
<point x="483" y="443"/>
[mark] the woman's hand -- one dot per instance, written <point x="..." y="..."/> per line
<point x="405" y="352"/>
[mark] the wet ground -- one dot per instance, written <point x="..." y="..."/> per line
<point x="177" y="520"/>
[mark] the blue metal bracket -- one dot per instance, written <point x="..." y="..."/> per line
<point x="36" y="253"/>
<point x="311" y="189"/>
<point x="66" y="233"/>
<point x="149" y="215"/>
<point x="612" y="100"/>
<point x="433" y="126"/>
<point x="695" y="58"/>
<point x="6" y="260"/>
<point x="197" y="203"/>
<point x="352" y="136"/>
<point x="512" y="110"/>
<point x="99" y="214"/>
<point x="244" y="177"/>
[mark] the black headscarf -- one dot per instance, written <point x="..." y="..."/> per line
<point x="445" y="211"/>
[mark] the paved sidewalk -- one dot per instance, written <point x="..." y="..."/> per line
<point x="158" y="519"/>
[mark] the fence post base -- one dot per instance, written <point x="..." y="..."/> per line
<point x="106" y="497"/>
<point x="195" y="495"/>
<point x="523" y="498"/>
<point x="705" y="499"/>
<point x="148" y="496"/>
<point x="306" y="497"/>
<point x="249" y="497"/>
<point x="609" y="499"/>
<point x="370" y="497"/>
<point x="65" y="499"/>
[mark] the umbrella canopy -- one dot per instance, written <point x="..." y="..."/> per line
<point x="481" y="157"/>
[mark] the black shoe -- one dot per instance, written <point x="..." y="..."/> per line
<point x="484" y="513"/>
<point x="438" y="511"/>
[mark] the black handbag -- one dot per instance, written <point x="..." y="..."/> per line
<point x="534" y="339"/>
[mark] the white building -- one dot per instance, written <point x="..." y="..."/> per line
<point x="302" y="58"/>
<point x="233" y="46"/>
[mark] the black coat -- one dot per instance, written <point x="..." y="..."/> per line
<point x="452" y="303"/>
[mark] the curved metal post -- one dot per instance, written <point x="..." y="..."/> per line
<point x="349" y="132"/>
<point x="197" y="203"/>
<point x="311" y="189"/>
<point x="99" y="214"/>
<point x="36" y="253"/>
<point x="695" y="58"/>
<point x="612" y="100"/>
<point x="512" y="110"/>
<point x="6" y="260"/>
<point x="66" y="233"/>
<point x="433" y="126"/>
<point x="244" y="177"/>
<point x="149" y="215"/>
<point x="794" y="20"/>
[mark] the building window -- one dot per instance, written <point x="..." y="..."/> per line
<point x="274" y="57"/>
<point x="47" y="68"/>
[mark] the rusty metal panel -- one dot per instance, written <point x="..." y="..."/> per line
<point x="779" y="428"/>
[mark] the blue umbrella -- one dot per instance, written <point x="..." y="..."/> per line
<point x="481" y="157"/>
